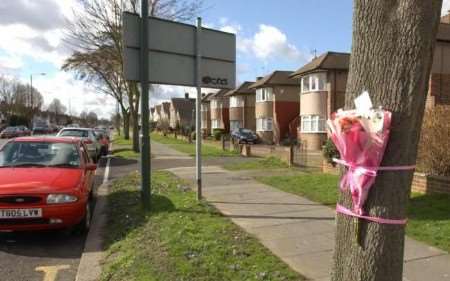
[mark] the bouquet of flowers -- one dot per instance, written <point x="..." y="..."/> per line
<point x="361" y="137"/>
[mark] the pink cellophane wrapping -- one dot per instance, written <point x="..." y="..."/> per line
<point x="362" y="148"/>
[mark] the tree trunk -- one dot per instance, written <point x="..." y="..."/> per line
<point x="126" y="124"/>
<point x="134" y="109"/>
<point x="393" y="43"/>
<point x="135" y="120"/>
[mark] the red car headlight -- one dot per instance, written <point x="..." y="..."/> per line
<point x="61" y="198"/>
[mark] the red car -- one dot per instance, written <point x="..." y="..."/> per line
<point x="45" y="183"/>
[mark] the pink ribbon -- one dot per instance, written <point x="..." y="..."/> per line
<point x="360" y="178"/>
<point x="341" y="209"/>
<point x="374" y="169"/>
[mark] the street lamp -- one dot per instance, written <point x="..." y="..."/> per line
<point x="31" y="91"/>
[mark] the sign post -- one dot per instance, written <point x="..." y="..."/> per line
<point x="144" y="77"/>
<point x="160" y="51"/>
<point x="198" y="114"/>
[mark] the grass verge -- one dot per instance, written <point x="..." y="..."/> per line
<point x="189" y="148"/>
<point x="428" y="214"/>
<point x="179" y="239"/>
<point x="127" y="153"/>
<point x="120" y="140"/>
<point x="258" y="164"/>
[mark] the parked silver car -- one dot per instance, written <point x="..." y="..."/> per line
<point x="89" y="138"/>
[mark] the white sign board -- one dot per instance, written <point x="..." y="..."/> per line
<point x="172" y="56"/>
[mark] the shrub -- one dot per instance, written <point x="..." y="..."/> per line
<point x="330" y="151"/>
<point x="193" y="135"/>
<point x="434" y="144"/>
<point x="217" y="133"/>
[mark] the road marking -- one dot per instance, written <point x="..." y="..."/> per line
<point x="106" y="174"/>
<point x="50" y="272"/>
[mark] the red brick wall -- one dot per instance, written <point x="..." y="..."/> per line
<point x="284" y="113"/>
<point x="440" y="88"/>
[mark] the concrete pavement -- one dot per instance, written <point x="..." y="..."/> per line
<point x="297" y="230"/>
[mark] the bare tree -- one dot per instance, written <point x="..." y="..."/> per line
<point x="16" y="100"/>
<point x="96" y="38"/>
<point x="57" y="108"/>
<point x="392" y="50"/>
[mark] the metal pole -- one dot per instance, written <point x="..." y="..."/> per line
<point x="144" y="77"/>
<point x="198" y="138"/>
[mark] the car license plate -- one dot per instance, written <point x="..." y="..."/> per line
<point x="20" y="213"/>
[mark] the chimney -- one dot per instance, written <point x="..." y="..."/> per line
<point x="259" y="78"/>
<point x="186" y="95"/>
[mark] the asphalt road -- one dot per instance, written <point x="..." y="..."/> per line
<point x="42" y="256"/>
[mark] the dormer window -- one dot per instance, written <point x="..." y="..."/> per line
<point x="264" y="94"/>
<point x="313" y="82"/>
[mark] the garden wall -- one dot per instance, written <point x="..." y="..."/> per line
<point x="422" y="183"/>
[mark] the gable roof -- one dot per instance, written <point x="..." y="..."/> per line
<point x="277" y="77"/>
<point x="243" y="89"/>
<point x="206" y="97"/>
<point x="219" y="94"/>
<point x="329" y="60"/>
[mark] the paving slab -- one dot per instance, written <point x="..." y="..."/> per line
<point x="299" y="231"/>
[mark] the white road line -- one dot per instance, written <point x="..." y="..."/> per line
<point x="106" y="174"/>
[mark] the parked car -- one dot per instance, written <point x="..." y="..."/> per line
<point x="13" y="132"/>
<point x="103" y="138"/>
<point x="88" y="136"/>
<point x="41" y="130"/>
<point x="242" y="135"/>
<point x="46" y="183"/>
<point x="24" y="131"/>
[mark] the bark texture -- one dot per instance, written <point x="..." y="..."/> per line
<point x="392" y="51"/>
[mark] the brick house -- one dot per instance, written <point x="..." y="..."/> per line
<point x="322" y="91"/>
<point x="242" y="107"/>
<point x="164" y="120"/>
<point x="156" y="116"/>
<point x="219" y="107"/>
<point x="182" y="112"/>
<point x="439" y="87"/>
<point x="277" y="106"/>
<point x="152" y="113"/>
<point x="206" y="114"/>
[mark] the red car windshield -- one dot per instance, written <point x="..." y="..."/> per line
<point x="39" y="154"/>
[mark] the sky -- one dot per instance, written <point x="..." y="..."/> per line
<point x="270" y="34"/>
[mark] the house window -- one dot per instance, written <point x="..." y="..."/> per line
<point x="236" y="102"/>
<point x="215" y="104"/>
<point x="215" y="124"/>
<point x="313" y="82"/>
<point x="312" y="124"/>
<point x="264" y="94"/>
<point x="264" y="124"/>
<point x="235" y="124"/>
